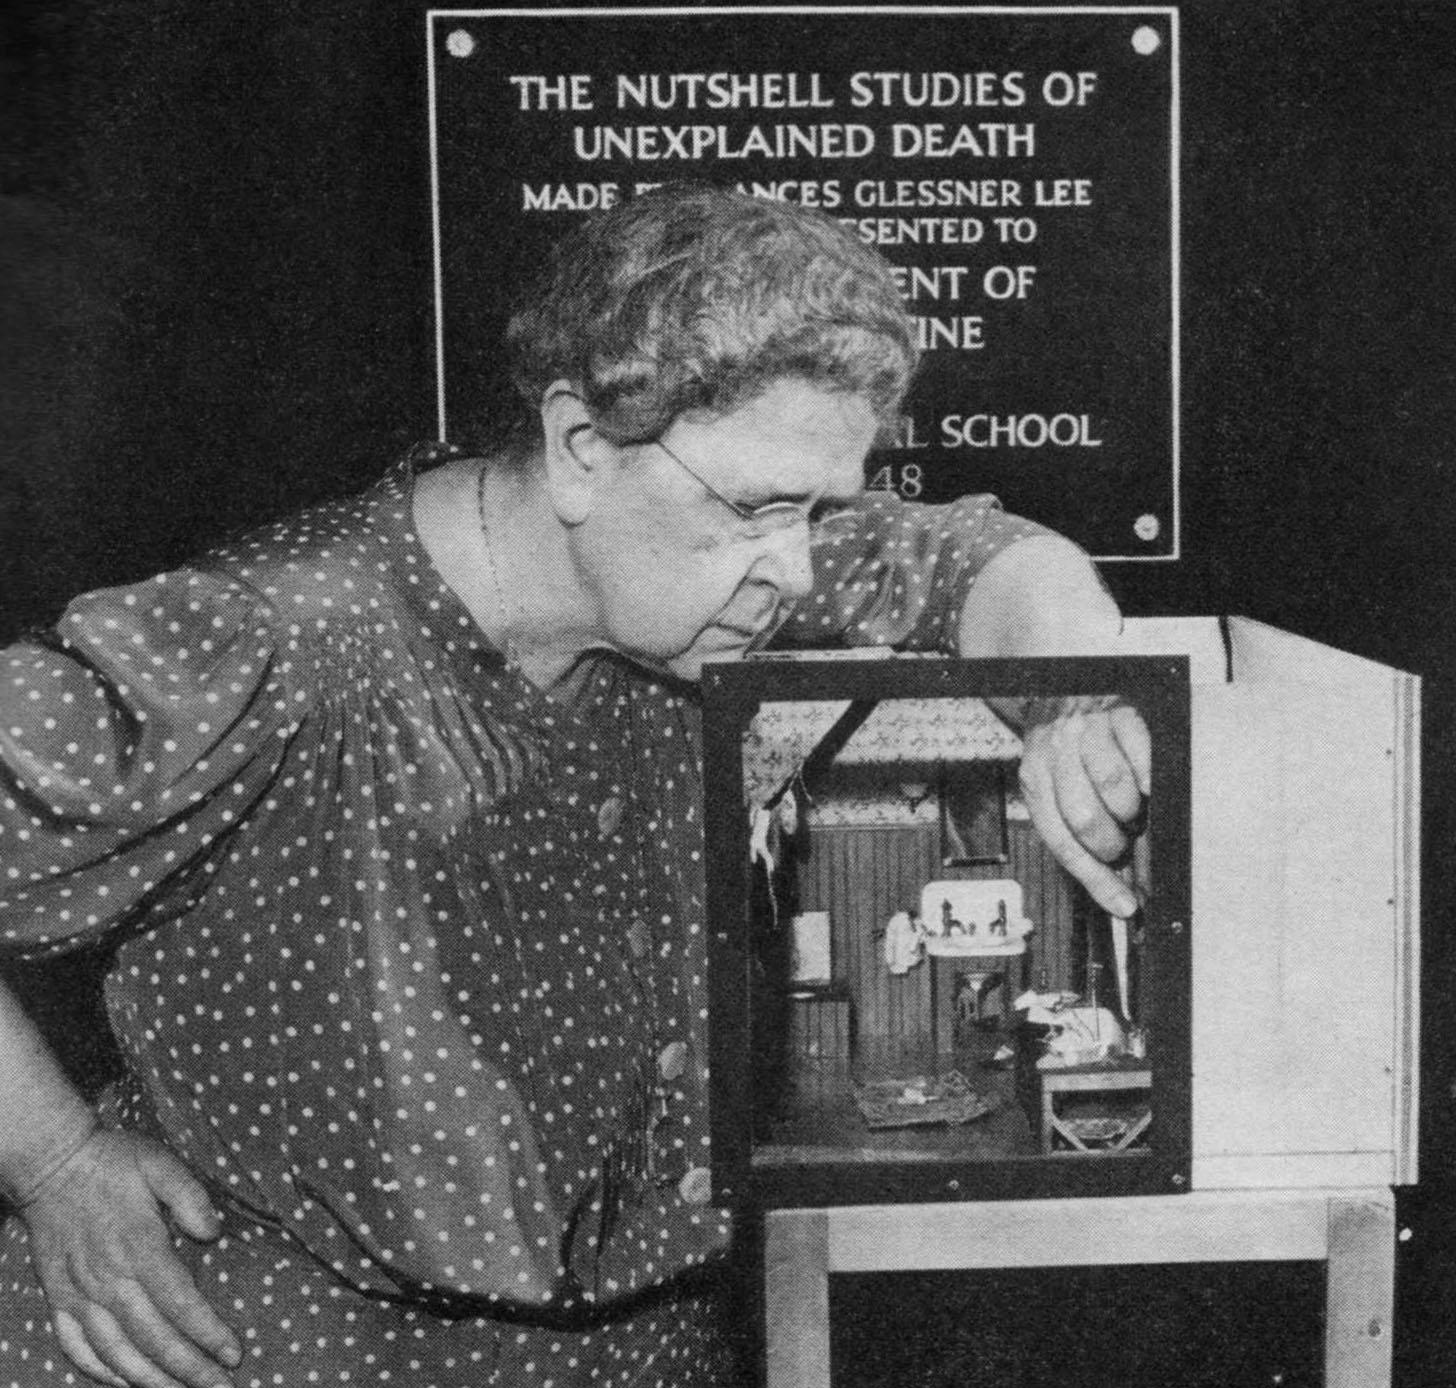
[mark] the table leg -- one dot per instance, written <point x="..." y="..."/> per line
<point x="1360" y="1293"/>
<point x="796" y="1298"/>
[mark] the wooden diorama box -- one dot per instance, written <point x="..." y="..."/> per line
<point x="911" y="1000"/>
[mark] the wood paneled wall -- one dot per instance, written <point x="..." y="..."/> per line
<point x="862" y="876"/>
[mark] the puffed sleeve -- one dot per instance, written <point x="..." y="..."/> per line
<point x="897" y="573"/>
<point x="133" y="737"/>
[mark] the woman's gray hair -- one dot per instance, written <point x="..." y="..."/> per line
<point x="700" y="298"/>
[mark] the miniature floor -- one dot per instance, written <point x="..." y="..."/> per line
<point x="817" y="1110"/>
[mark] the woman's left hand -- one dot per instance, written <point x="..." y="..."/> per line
<point x="124" y="1307"/>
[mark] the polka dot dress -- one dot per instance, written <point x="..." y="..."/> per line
<point x="410" y="958"/>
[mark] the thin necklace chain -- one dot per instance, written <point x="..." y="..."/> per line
<point x="502" y="610"/>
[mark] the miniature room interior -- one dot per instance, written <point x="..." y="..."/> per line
<point x="934" y="986"/>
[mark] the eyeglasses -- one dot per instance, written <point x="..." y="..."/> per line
<point x="771" y="517"/>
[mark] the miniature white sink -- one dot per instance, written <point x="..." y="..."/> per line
<point x="961" y="946"/>
<point x="964" y="918"/>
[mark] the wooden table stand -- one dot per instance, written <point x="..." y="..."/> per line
<point x="1351" y="1231"/>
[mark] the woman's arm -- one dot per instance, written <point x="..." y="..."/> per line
<point x="96" y="1204"/>
<point x="1086" y="762"/>
<point x="131" y="715"/>
<point x="967" y="577"/>
<point x="48" y="1120"/>
<point x="1039" y="596"/>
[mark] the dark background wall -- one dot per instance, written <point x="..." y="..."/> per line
<point x="214" y="306"/>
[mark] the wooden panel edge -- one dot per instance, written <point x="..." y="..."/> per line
<point x="1221" y="1226"/>
<point x="1406" y="869"/>
<point x="796" y="1298"/>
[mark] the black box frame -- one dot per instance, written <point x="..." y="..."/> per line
<point x="732" y="693"/>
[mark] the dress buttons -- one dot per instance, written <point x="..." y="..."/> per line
<point x="673" y="1060"/>
<point x="637" y="938"/>
<point x="696" y="1188"/>
<point x="609" y="815"/>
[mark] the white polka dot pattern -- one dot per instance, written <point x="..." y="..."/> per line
<point x="406" y="950"/>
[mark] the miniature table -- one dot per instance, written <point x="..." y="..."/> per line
<point x="1104" y="1077"/>
<point x="1351" y="1231"/>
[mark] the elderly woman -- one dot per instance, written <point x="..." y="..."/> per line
<point x="391" y="816"/>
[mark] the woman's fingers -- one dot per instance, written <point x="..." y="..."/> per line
<point x="176" y="1187"/>
<point x="151" y="1332"/>
<point x="78" y="1350"/>
<point x="1081" y="806"/>
<point x="189" y="1312"/>
<point x="1085" y="776"/>
<point x="143" y="1317"/>
<point x="1038" y="788"/>
<point x="112" y="1343"/>
<point x="116" y="1323"/>
<point x="1136" y="742"/>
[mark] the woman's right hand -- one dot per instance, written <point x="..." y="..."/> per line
<point x="125" y="1309"/>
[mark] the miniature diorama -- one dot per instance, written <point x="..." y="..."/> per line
<point x="1242" y="1056"/>
<point x="911" y="997"/>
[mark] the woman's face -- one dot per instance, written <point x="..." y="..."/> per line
<point x="680" y="572"/>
